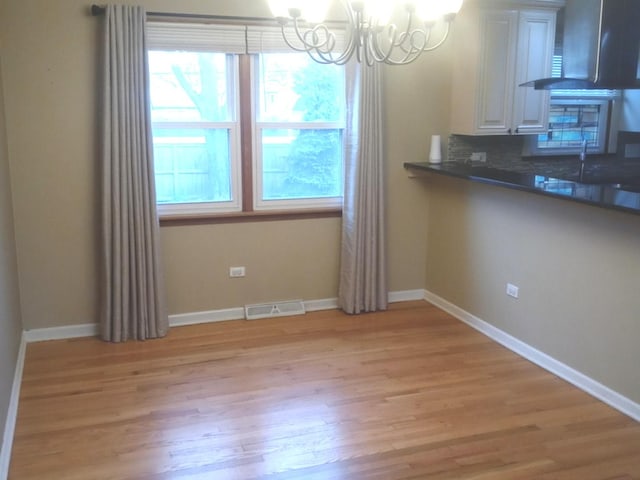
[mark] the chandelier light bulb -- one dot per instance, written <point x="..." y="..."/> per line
<point x="453" y="6"/>
<point x="433" y="10"/>
<point x="280" y="8"/>
<point x="429" y="10"/>
<point x="315" y="11"/>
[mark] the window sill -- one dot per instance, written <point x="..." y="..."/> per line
<point x="240" y="217"/>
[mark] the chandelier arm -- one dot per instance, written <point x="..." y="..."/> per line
<point x="365" y="39"/>
<point x="439" y="44"/>
<point x="327" y="57"/>
<point x="425" y="44"/>
<point x="411" y="51"/>
<point x="404" y="41"/>
<point x="357" y="32"/>
<point x="414" y="46"/>
<point x="374" y="49"/>
<point x="410" y="56"/>
<point x="352" y="45"/>
<point x="288" y="42"/>
<point x="393" y="40"/>
<point x="316" y="33"/>
<point x="305" y="46"/>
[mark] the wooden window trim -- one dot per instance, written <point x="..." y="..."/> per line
<point x="246" y="132"/>
<point x="252" y="216"/>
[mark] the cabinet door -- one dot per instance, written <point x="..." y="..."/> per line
<point x="496" y="76"/>
<point x="536" y="35"/>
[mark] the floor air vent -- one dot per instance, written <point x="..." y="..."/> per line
<point x="277" y="309"/>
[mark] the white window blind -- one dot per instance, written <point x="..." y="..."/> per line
<point x="224" y="38"/>
<point x="264" y="39"/>
<point x="196" y="37"/>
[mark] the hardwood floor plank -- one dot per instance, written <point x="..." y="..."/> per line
<point x="406" y="394"/>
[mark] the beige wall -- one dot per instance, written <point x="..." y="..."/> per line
<point x="578" y="269"/>
<point x="10" y="325"/>
<point x="50" y="77"/>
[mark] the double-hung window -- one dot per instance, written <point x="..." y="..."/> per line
<point x="298" y="128"/>
<point x="195" y="130"/>
<point x="242" y="123"/>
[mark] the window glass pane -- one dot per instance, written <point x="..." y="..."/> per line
<point x="301" y="163"/>
<point x="294" y="88"/>
<point x="192" y="165"/>
<point x="570" y="124"/>
<point x="189" y="86"/>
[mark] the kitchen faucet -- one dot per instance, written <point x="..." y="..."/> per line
<point x="583" y="150"/>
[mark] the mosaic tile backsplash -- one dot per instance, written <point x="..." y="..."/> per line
<point x="501" y="150"/>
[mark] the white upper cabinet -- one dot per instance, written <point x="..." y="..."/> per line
<point x="496" y="50"/>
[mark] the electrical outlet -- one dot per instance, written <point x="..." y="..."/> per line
<point x="478" y="157"/>
<point x="512" y="290"/>
<point x="236" y="272"/>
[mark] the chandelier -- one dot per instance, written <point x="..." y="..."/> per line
<point x="369" y="34"/>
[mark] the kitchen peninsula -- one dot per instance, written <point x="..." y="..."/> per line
<point x="601" y="181"/>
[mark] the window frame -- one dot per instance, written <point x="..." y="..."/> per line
<point x="257" y="126"/>
<point x="232" y="126"/>
<point x="246" y="205"/>
<point x="233" y="205"/>
<point x="585" y="97"/>
<point x="603" y="126"/>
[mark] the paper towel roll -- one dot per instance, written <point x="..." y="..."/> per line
<point x="435" y="154"/>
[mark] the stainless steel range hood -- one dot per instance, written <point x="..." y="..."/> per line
<point x="600" y="46"/>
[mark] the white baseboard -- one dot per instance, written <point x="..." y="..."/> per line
<point x="60" y="333"/>
<point x="210" y="316"/>
<point x="12" y="412"/>
<point x="580" y="380"/>
<point x="193" y="318"/>
<point x="325" y="304"/>
<point x="183" y="319"/>
<point x="406" y="296"/>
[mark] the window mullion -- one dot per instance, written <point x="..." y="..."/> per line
<point x="195" y="125"/>
<point x="302" y="125"/>
<point x="246" y="126"/>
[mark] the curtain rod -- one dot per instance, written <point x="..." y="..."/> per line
<point x="97" y="10"/>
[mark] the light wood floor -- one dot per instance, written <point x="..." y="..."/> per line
<point x="408" y="394"/>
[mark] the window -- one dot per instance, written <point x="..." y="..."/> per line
<point x="574" y="116"/>
<point x="195" y="130"/>
<point x="237" y="132"/>
<point x="298" y="131"/>
<point x="570" y="122"/>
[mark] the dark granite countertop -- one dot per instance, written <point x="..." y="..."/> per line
<point x="602" y="181"/>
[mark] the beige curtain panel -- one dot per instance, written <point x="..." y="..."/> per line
<point x="363" y="276"/>
<point x="133" y="298"/>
